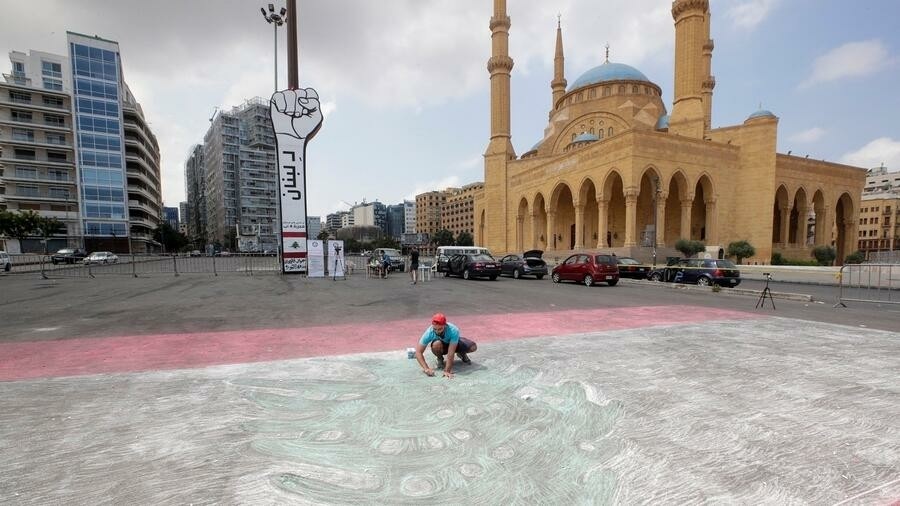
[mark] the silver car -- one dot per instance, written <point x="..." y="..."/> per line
<point x="101" y="257"/>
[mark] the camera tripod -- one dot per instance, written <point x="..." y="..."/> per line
<point x="338" y="262"/>
<point x="766" y="293"/>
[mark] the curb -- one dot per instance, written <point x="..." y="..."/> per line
<point x="801" y="297"/>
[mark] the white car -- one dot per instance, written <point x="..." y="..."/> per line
<point x="5" y="261"/>
<point x="101" y="257"/>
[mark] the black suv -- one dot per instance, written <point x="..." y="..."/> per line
<point x="68" y="256"/>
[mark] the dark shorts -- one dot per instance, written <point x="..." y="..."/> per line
<point x="413" y="266"/>
<point x="463" y="346"/>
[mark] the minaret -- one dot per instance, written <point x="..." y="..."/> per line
<point x="500" y="65"/>
<point x="691" y="35"/>
<point x="558" y="84"/>
<point x="709" y="82"/>
<point x="492" y="211"/>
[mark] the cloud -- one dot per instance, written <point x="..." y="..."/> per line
<point x="882" y="150"/>
<point x="810" y="135"/>
<point x="749" y="14"/>
<point x="471" y="163"/>
<point x="430" y="186"/>
<point x="854" y="59"/>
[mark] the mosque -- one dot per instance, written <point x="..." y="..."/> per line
<point x="614" y="169"/>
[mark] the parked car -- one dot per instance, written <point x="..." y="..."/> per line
<point x="587" y="268"/>
<point x="5" y="261"/>
<point x="631" y="268"/>
<point x="468" y="266"/>
<point x="529" y="264"/>
<point x="702" y="271"/>
<point x="101" y="257"/>
<point x="195" y="253"/>
<point x="68" y="256"/>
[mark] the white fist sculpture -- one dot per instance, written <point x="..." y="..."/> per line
<point x="296" y="113"/>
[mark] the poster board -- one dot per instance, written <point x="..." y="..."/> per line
<point x="316" y="257"/>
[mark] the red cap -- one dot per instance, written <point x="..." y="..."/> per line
<point x="439" y="319"/>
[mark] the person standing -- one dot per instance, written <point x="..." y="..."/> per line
<point x="414" y="265"/>
<point x="444" y="340"/>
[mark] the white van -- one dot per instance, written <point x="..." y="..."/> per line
<point x="445" y="252"/>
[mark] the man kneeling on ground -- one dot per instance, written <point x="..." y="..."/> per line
<point x="444" y="340"/>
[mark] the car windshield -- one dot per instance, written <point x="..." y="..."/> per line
<point x="482" y="258"/>
<point x="628" y="261"/>
<point x="603" y="259"/>
<point x="726" y="264"/>
<point x="65" y="251"/>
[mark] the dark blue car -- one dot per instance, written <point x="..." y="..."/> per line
<point x="700" y="271"/>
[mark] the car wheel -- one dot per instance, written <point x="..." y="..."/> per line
<point x="7" y="267"/>
<point x="588" y="280"/>
<point x="540" y="276"/>
<point x="54" y="261"/>
<point x="516" y="274"/>
<point x="555" y="277"/>
<point x="446" y="274"/>
<point x="703" y="281"/>
<point x="655" y="277"/>
<point x="106" y="261"/>
<point x="613" y="282"/>
<point x="493" y="278"/>
<point x="466" y="274"/>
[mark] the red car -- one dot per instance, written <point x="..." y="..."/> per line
<point x="588" y="268"/>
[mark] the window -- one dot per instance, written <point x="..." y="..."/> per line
<point x="51" y="69"/>
<point x="57" y="139"/>
<point x="634" y="89"/>
<point x="58" y="175"/>
<point x="26" y="172"/>
<point x="621" y="89"/>
<point x="21" y="116"/>
<point x="19" y="97"/>
<point x="18" y="68"/>
<point x="606" y="91"/>
<point x="54" y="120"/>
<point x="55" y="156"/>
<point x="610" y="133"/>
<point x="56" y="102"/>
<point x="23" y="134"/>
<point x="52" y="84"/>
<point x="592" y="93"/>
<point x="25" y="154"/>
<point x="58" y="193"/>
<point x="27" y="191"/>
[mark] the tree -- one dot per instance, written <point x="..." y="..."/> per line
<point x="857" y="257"/>
<point x="442" y="237"/>
<point x="323" y="235"/>
<point x="171" y="239"/>
<point x="825" y="255"/>
<point x="47" y="227"/>
<point x="19" y="225"/>
<point x="689" y="248"/>
<point x="741" y="250"/>
<point x="465" y="239"/>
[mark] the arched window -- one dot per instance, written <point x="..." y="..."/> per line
<point x="573" y="136"/>
<point x="621" y="89"/>
<point x="600" y="135"/>
<point x="580" y="96"/>
<point x="592" y="130"/>
<point x="592" y="93"/>
<point x="634" y="89"/>
<point x="606" y="91"/>
<point x="610" y="132"/>
<point x="646" y="90"/>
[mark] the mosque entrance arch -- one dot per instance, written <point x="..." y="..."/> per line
<point x="588" y="211"/>
<point x="539" y="218"/>
<point x="562" y="218"/>
<point x="523" y="220"/>
<point x="613" y="200"/>
<point x="674" y="197"/>
<point x="780" y="216"/>
<point x="701" y="211"/>
<point x="647" y="223"/>
<point x="844" y="226"/>
<point x="820" y="226"/>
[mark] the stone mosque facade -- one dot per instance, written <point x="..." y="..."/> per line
<point x="614" y="168"/>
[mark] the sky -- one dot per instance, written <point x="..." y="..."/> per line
<point x="405" y="89"/>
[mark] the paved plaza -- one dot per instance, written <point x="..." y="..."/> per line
<point x="653" y="403"/>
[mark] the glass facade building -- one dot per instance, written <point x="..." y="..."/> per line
<point x="97" y="97"/>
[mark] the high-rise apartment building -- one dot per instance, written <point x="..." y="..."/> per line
<point x="878" y="230"/>
<point x="78" y="149"/>
<point x="409" y="217"/>
<point x="313" y="226"/>
<point x="37" y="153"/>
<point x="396" y="221"/>
<point x="195" y="187"/>
<point x="240" y="175"/>
<point x="458" y="209"/>
<point x="879" y="180"/>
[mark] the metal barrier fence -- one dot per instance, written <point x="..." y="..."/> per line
<point x="879" y="283"/>
<point x="153" y="265"/>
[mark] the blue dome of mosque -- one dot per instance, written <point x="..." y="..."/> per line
<point x="662" y="122"/>
<point x="762" y="113"/>
<point x="608" y="72"/>
<point x="585" y="137"/>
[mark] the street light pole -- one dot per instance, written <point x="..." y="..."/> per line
<point x="275" y="19"/>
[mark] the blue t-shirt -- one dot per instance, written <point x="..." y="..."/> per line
<point x="451" y="335"/>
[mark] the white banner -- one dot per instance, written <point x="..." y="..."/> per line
<point x="296" y="117"/>
<point x="336" y="258"/>
<point x="316" y="259"/>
